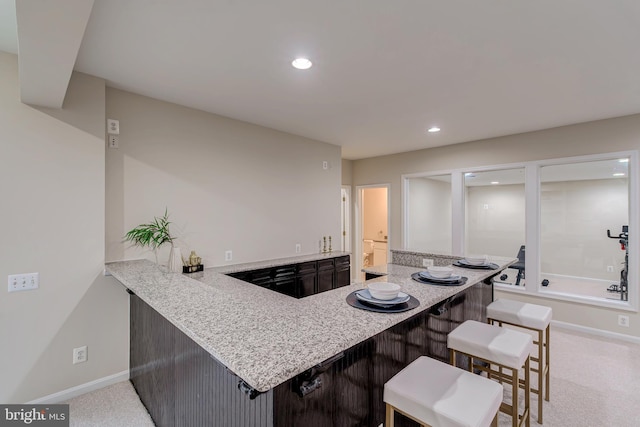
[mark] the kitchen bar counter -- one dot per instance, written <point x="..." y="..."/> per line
<point x="235" y="268"/>
<point x="264" y="337"/>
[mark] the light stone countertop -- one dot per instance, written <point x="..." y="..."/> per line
<point x="234" y="268"/>
<point x="265" y="337"/>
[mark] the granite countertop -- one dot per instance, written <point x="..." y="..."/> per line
<point x="234" y="268"/>
<point x="265" y="337"/>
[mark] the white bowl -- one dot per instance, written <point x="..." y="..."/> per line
<point x="476" y="259"/>
<point x="384" y="290"/>
<point x="440" y="272"/>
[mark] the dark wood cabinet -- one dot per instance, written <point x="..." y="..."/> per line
<point x="303" y="279"/>
<point x="343" y="271"/>
<point x="306" y="279"/>
<point x="326" y="275"/>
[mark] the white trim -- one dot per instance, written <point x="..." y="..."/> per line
<point x="70" y="393"/>
<point x="458" y="214"/>
<point x="346" y="219"/>
<point x="594" y="331"/>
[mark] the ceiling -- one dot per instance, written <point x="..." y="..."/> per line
<point x="384" y="71"/>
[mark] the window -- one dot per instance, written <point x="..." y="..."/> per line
<point x="559" y="209"/>
<point x="579" y="202"/>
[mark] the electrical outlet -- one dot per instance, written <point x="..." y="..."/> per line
<point x="298" y="248"/>
<point x="325" y="165"/>
<point x="113" y="127"/>
<point x="23" y="282"/>
<point x="623" y="320"/>
<point x="80" y="354"/>
<point x="427" y="262"/>
<point x="609" y="268"/>
<point x="228" y="255"/>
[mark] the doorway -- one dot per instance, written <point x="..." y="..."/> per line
<point x="372" y="227"/>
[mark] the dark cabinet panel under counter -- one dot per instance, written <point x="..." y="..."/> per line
<point x="302" y="279"/>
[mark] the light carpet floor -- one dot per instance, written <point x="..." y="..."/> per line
<point x="595" y="382"/>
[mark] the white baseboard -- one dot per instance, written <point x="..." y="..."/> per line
<point x="70" y="393"/>
<point x="594" y="331"/>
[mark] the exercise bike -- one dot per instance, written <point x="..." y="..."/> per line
<point x="622" y="288"/>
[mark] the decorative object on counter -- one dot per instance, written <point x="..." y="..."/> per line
<point x="426" y="278"/>
<point x="154" y="235"/>
<point x="193" y="264"/>
<point x="330" y="250"/>
<point x="488" y="266"/>
<point x="354" y="301"/>
<point x="440" y="272"/>
<point x="324" y="244"/>
<point x="384" y="290"/>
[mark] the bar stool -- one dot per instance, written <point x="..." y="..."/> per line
<point x="503" y="347"/>
<point x="435" y="394"/>
<point x="533" y="317"/>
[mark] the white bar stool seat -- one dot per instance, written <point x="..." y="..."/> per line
<point x="503" y="347"/>
<point x="533" y="317"/>
<point x="436" y="394"/>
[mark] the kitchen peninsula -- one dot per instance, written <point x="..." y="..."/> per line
<point x="208" y="349"/>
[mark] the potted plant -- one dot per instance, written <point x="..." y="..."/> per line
<point x="154" y="235"/>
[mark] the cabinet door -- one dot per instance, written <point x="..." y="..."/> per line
<point x="326" y="269"/>
<point x="343" y="277"/>
<point x="325" y="280"/>
<point x="306" y="284"/>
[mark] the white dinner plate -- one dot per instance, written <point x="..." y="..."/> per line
<point x="451" y="279"/>
<point x="364" y="295"/>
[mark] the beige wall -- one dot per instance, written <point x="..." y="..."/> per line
<point x="603" y="136"/>
<point x="347" y="172"/>
<point x="429" y="216"/>
<point x="228" y="185"/>
<point x="52" y="192"/>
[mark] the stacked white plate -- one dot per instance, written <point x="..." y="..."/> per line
<point x="475" y="260"/>
<point x="365" y="295"/>
<point x="426" y="275"/>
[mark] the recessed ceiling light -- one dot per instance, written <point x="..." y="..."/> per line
<point x="433" y="129"/>
<point x="301" y="63"/>
<point x="495" y="182"/>
<point x="624" y="160"/>
<point x="618" y="174"/>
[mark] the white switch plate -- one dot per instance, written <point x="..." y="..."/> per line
<point x="80" y="354"/>
<point x="228" y="255"/>
<point x="23" y="282"/>
<point x="609" y="268"/>
<point x="298" y="248"/>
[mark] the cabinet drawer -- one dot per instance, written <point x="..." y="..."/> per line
<point x="307" y="267"/>
<point x="325" y="264"/>
<point x="343" y="261"/>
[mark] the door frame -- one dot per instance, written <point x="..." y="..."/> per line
<point x="359" y="222"/>
<point x="345" y="218"/>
